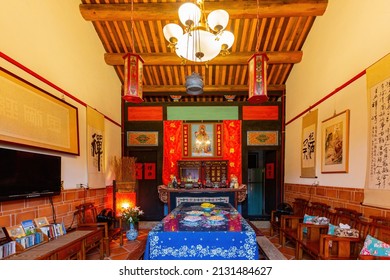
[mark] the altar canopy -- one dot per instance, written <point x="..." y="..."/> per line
<point x="174" y="142"/>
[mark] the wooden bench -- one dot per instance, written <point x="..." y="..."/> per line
<point x="266" y="248"/>
<point x="256" y="229"/>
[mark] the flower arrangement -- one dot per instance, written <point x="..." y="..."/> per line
<point x="131" y="214"/>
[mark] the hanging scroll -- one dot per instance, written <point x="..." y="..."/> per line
<point x="96" y="148"/>
<point x="308" y="145"/>
<point x="377" y="189"/>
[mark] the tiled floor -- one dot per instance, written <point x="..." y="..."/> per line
<point x="288" y="251"/>
<point x="122" y="252"/>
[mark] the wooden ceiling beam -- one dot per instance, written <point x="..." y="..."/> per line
<point x="206" y="89"/>
<point x="236" y="9"/>
<point x="171" y="59"/>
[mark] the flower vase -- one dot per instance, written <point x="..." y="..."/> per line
<point x="132" y="233"/>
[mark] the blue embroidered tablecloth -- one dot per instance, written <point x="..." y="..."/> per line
<point x="194" y="233"/>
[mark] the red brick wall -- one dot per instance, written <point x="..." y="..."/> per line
<point x="334" y="196"/>
<point x="13" y="212"/>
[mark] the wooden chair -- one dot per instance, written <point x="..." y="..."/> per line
<point x="341" y="248"/>
<point x="380" y="220"/>
<point x="299" y="206"/>
<point x="87" y="217"/>
<point x="326" y="246"/>
<point x="379" y="229"/>
<point x="307" y="235"/>
<point x="289" y="223"/>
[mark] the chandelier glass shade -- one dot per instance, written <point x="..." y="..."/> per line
<point x="202" y="38"/>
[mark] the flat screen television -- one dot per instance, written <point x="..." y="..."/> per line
<point x="28" y="175"/>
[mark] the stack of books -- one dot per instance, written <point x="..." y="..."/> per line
<point x="29" y="233"/>
<point x="7" y="245"/>
<point x="51" y="230"/>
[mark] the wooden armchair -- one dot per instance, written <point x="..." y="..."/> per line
<point x="299" y="206"/>
<point x="380" y="220"/>
<point x="379" y="229"/>
<point x="338" y="248"/>
<point x="308" y="235"/>
<point x="289" y="223"/>
<point x="87" y="217"/>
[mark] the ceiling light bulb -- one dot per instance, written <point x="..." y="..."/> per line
<point x="218" y="20"/>
<point x="189" y="14"/>
<point x="227" y="38"/>
<point x="192" y="46"/>
<point x="172" y="32"/>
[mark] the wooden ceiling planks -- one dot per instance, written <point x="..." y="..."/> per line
<point x="277" y="27"/>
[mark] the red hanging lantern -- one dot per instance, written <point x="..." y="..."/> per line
<point x="133" y="78"/>
<point x="258" y="78"/>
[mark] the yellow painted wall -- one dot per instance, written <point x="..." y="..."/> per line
<point x="347" y="39"/>
<point x="52" y="39"/>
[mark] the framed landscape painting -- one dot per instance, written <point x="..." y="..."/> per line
<point x="335" y="146"/>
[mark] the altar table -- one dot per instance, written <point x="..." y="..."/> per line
<point x="173" y="197"/>
<point x="190" y="232"/>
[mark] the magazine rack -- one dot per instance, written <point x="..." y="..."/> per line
<point x="19" y="248"/>
<point x="28" y="235"/>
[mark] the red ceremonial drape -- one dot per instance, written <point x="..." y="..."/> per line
<point x="232" y="147"/>
<point x="173" y="145"/>
<point x="172" y="149"/>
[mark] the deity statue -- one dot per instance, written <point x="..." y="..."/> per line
<point x="202" y="140"/>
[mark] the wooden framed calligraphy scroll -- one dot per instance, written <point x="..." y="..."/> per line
<point x="33" y="117"/>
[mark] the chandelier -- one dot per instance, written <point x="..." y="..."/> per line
<point x="202" y="38"/>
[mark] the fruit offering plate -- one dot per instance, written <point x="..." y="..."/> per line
<point x="207" y="206"/>
<point x="194" y="213"/>
<point x="192" y="219"/>
<point x="219" y="212"/>
<point x="216" y="220"/>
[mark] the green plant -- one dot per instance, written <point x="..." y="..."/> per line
<point x="131" y="214"/>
